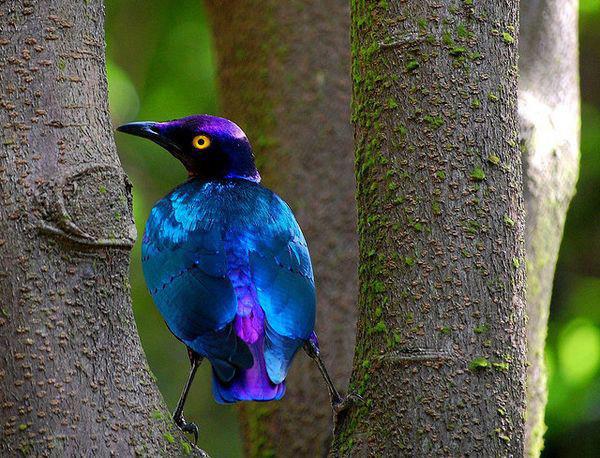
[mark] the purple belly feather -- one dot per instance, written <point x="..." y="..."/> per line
<point x="252" y="384"/>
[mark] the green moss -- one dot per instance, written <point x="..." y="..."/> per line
<point x="445" y="330"/>
<point x="516" y="263"/>
<point x="22" y="427"/>
<point x="391" y="103"/>
<point x="477" y="174"/>
<point x="434" y="121"/>
<point x="378" y="286"/>
<point x="501" y="366"/>
<point x="186" y="448"/>
<point x="475" y="103"/>
<point x="412" y="65"/>
<point x="157" y="415"/>
<point x="479" y="363"/>
<point x="447" y="38"/>
<point x="508" y="221"/>
<point x="537" y="437"/>
<point x="409" y="261"/>
<point x="492" y="97"/>
<point x="508" y="38"/>
<point x="169" y="437"/>
<point x="472" y="227"/>
<point x="504" y="437"/>
<point x="457" y="51"/>
<point x="494" y="159"/>
<point x="481" y="329"/>
<point x="462" y="32"/>
<point x="102" y="189"/>
<point x="379" y="328"/>
<point x="440" y="174"/>
<point x="401" y="130"/>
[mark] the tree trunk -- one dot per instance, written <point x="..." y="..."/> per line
<point x="440" y="356"/>
<point x="74" y="378"/>
<point x="549" y="111"/>
<point x="284" y="77"/>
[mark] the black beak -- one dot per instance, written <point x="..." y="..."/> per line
<point x="151" y="131"/>
<point x="141" y="129"/>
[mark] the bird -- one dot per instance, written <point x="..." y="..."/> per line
<point x="228" y="267"/>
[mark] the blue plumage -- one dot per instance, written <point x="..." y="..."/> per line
<point x="198" y="240"/>
<point x="227" y="265"/>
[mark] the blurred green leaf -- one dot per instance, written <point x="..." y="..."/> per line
<point x="579" y="351"/>
<point x="589" y="6"/>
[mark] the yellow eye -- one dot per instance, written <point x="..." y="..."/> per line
<point x="201" y="142"/>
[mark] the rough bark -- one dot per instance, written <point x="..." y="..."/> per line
<point x="549" y="111"/>
<point x="440" y="356"/>
<point x="284" y="77"/>
<point x="74" y="378"/>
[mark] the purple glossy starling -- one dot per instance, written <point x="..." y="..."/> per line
<point x="227" y="265"/>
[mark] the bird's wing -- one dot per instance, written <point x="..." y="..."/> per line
<point x="185" y="268"/>
<point x="283" y="278"/>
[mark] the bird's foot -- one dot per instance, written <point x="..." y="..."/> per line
<point x="186" y="427"/>
<point x="341" y="405"/>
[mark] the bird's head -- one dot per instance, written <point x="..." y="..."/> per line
<point x="209" y="147"/>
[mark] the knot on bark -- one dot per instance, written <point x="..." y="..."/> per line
<point x="89" y="205"/>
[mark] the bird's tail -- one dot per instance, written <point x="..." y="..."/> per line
<point x="251" y="384"/>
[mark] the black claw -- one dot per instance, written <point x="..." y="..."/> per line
<point x="340" y="405"/>
<point x="192" y="428"/>
<point x="187" y="427"/>
<point x="340" y="408"/>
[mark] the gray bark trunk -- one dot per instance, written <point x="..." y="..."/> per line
<point x="549" y="111"/>
<point x="284" y="77"/>
<point x="74" y="379"/>
<point x="440" y="355"/>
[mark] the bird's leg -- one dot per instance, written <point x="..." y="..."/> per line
<point x="338" y="404"/>
<point x="186" y="427"/>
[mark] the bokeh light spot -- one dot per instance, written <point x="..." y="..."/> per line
<point x="579" y="351"/>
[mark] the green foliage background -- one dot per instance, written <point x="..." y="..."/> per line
<point x="161" y="66"/>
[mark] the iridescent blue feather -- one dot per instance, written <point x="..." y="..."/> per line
<point x="230" y="272"/>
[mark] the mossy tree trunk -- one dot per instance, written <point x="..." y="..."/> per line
<point x="440" y="355"/>
<point x="73" y="376"/>
<point x="549" y="111"/>
<point x="284" y="77"/>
